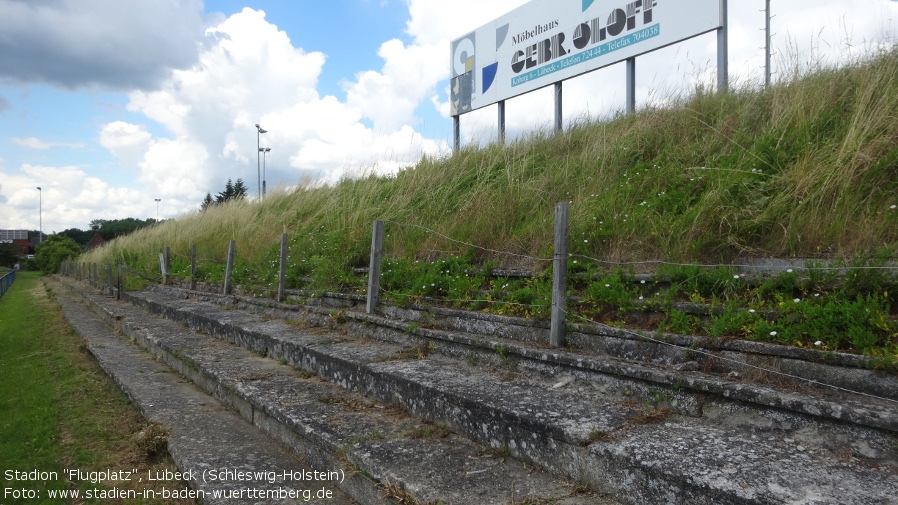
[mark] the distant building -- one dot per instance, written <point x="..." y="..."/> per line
<point x="95" y="242"/>
<point x="7" y="236"/>
<point x="24" y="246"/>
<point x="17" y="237"/>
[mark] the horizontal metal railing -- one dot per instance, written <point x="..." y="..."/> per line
<point x="7" y="277"/>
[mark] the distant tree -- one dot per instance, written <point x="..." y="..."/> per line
<point x="207" y="202"/>
<point x="9" y="255"/>
<point x="55" y="249"/>
<point x="226" y="195"/>
<point x="112" y="228"/>
<point x="239" y="190"/>
<point x="233" y="191"/>
<point x="82" y="237"/>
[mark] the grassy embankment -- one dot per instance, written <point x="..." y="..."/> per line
<point x="807" y="168"/>
<point x="58" y="409"/>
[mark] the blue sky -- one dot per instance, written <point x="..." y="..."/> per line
<point x="108" y="105"/>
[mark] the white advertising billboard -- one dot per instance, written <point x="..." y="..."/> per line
<point x="546" y="41"/>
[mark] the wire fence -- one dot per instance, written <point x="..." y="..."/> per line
<point x="558" y="305"/>
<point x="774" y="265"/>
<point x="780" y="266"/>
<point x="7" y="278"/>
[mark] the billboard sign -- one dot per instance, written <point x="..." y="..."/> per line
<point x="547" y="41"/>
<point x="7" y="236"/>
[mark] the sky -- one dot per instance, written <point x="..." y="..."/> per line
<point x="109" y="106"/>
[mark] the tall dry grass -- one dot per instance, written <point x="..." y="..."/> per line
<point x="805" y="168"/>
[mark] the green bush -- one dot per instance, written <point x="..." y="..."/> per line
<point x="50" y="254"/>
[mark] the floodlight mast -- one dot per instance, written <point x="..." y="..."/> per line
<point x="40" y="213"/>
<point x="259" y="133"/>
<point x="264" y="151"/>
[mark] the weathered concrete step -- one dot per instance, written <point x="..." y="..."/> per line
<point x="406" y="458"/>
<point x="641" y="378"/>
<point x="623" y="460"/>
<point x="721" y="355"/>
<point x="493" y="404"/>
<point x="203" y="435"/>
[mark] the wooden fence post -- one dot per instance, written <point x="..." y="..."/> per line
<point x="282" y="273"/>
<point x="377" y="243"/>
<point x="559" y="277"/>
<point x="118" y="291"/>
<point x="162" y="268"/>
<point x="193" y="266"/>
<point x="232" y="245"/>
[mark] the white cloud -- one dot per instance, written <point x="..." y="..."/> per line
<point x="171" y="167"/>
<point x="441" y="22"/>
<point x="389" y="97"/>
<point x="390" y="152"/>
<point x="247" y="71"/>
<point x="250" y="73"/>
<point x="43" y="145"/>
<point x="127" y="142"/>
<point x="68" y="198"/>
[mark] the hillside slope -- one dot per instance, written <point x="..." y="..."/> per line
<point x="804" y="169"/>
<point x="807" y="168"/>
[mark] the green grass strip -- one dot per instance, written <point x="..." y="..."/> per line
<point x="29" y="416"/>
<point x="58" y="409"/>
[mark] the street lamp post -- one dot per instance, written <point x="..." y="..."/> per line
<point x="264" y="151"/>
<point x="157" y="208"/>
<point x="259" y="133"/>
<point x="40" y="213"/>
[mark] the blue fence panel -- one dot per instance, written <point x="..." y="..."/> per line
<point x="6" y="280"/>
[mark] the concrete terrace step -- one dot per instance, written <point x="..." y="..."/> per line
<point x="505" y="341"/>
<point x="202" y="433"/>
<point x="388" y="455"/>
<point x="615" y="433"/>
